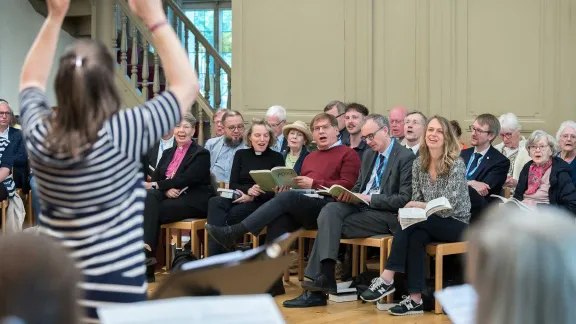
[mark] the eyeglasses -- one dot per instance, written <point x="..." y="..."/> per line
<point x="505" y="135"/>
<point x="396" y="121"/>
<point x="324" y="127"/>
<point x="478" y="130"/>
<point x="237" y="127"/>
<point x="277" y="124"/>
<point x="371" y="135"/>
<point x="4" y="113"/>
<point x="538" y="147"/>
<point x="568" y="136"/>
<point x="411" y="121"/>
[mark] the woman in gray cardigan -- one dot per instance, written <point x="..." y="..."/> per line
<point x="437" y="172"/>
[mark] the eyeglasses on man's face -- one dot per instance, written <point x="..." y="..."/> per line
<point x="324" y="127"/>
<point x="478" y="130"/>
<point x="506" y="135"/>
<point x="277" y="124"/>
<point x="370" y="137"/>
<point x="412" y="122"/>
<point x="235" y="127"/>
<point x="4" y="113"/>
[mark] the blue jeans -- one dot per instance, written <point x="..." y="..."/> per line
<point x="35" y="202"/>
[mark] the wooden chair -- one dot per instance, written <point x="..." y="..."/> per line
<point x="379" y="241"/>
<point x="191" y="224"/>
<point x="439" y="251"/>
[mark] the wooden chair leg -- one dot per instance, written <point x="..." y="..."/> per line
<point x="195" y="242"/>
<point x="362" y="259"/>
<point x="389" y="298"/>
<point x="168" y="250"/>
<point x="300" y="259"/>
<point x="428" y="266"/>
<point x="287" y="270"/>
<point x="255" y="241"/>
<point x="179" y="239"/>
<point x="383" y="254"/>
<point x="205" y="243"/>
<point x="438" y="274"/>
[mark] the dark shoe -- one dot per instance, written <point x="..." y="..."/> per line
<point x="321" y="284"/>
<point x="306" y="299"/>
<point x="277" y="289"/>
<point x="407" y="307"/>
<point x="378" y="289"/>
<point x="150" y="276"/>
<point x="222" y="235"/>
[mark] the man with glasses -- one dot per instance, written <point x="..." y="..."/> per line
<point x="385" y="182"/>
<point x="396" y="117"/>
<point x="338" y="109"/>
<point x="14" y="135"/>
<point x="486" y="168"/>
<point x="353" y="119"/>
<point x="414" y="124"/>
<point x="276" y="117"/>
<point x="223" y="148"/>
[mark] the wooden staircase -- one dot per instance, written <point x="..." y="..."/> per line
<point x="139" y="73"/>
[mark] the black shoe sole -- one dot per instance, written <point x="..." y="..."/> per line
<point x="319" y="289"/>
<point x="375" y="299"/>
<point x="209" y="230"/>
<point x="303" y="305"/>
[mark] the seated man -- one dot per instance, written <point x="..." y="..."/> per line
<point x="181" y="185"/>
<point x="276" y="118"/>
<point x="151" y="159"/>
<point x="385" y="182"/>
<point x="331" y="164"/>
<point x="354" y="118"/>
<point x="486" y="168"/>
<point x="414" y="124"/>
<point x="337" y="109"/>
<point x="14" y="135"/>
<point x="223" y="148"/>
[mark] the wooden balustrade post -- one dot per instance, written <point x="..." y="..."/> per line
<point x="134" y="58"/>
<point x="124" y="45"/>
<point x="229" y="102"/>
<point x="200" y="127"/>
<point x="156" y="85"/>
<point x="145" y="69"/>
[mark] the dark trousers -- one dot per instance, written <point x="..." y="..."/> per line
<point x="221" y="212"/>
<point x="286" y="212"/>
<point x="160" y="209"/>
<point x="408" y="253"/>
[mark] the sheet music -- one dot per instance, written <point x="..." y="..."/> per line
<point x="247" y="309"/>
<point x="459" y="302"/>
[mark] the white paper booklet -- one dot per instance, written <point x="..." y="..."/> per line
<point x="246" y="309"/>
<point x="410" y="216"/>
<point x="459" y="302"/>
<point x="514" y="201"/>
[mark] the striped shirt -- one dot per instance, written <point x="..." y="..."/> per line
<point x="94" y="203"/>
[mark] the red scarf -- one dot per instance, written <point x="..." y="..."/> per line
<point x="535" y="175"/>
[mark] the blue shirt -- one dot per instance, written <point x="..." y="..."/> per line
<point x="384" y="155"/>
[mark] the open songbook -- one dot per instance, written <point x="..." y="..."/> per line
<point x="278" y="176"/>
<point x="336" y="190"/>
<point x="410" y="216"/>
<point x="513" y="200"/>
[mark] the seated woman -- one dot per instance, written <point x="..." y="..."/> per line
<point x="299" y="137"/>
<point x="527" y="280"/>
<point x="222" y="211"/>
<point x="513" y="147"/>
<point x="180" y="186"/>
<point x="547" y="179"/>
<point x="437" y="172"/>
<point x="566" y="138"/>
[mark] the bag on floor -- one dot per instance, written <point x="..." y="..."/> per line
<point x="181" y="257"/>
<point x="362" y="281"/>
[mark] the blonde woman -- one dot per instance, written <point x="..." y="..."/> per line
<point x="522" y="266"/>
<point x="437" y="172"/>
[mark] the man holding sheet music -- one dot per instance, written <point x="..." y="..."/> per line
<point x="331" y="164"/>
<point x="385" y="183"/>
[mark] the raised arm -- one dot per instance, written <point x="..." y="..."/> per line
<point x="36" y="68"/>
<point x="181" y="77"/>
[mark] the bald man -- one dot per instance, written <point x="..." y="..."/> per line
<point x="396" y="117"/>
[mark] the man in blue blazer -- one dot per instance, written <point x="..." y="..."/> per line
<point x="14" y="135"/>
<point x="486" y="168"/>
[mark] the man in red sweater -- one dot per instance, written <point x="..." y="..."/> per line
<point x="333" y="163"/>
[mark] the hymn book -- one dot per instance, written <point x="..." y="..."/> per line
<point x="410" y="216"/>
<point x="276" y="177"/>
<point x="336" y="190"/>
<point x="513" y="200"/>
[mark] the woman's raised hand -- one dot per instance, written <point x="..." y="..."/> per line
<point x="58" y="8"/>
<point x="150" y="11"/>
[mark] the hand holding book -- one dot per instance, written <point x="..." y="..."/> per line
<point x="416" y="211"/>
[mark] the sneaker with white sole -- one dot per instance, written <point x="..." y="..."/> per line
<point x="378" y="289"/>
<point x="407" y="307"/>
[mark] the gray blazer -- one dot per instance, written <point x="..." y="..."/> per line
<point x="396" y="182"/>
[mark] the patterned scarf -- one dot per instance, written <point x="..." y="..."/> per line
<point x="535" y="175"/>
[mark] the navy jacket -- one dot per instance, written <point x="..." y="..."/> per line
<point x="562" y="192"/>
<point x="298" y="164"/>
<point x="19" y="158"/>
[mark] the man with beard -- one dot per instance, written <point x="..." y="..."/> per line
<point x="337" y="109"/>
<point x="396" y="117"/>
<point x="414" y="124"/>
<point x="354" y="118"/>
<point x="486" y="168"/>
<point x="223" y="148"/>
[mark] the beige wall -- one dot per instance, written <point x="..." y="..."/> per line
<point x="457" y="58"/>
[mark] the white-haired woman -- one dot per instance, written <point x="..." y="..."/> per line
<point x="513" y="147"/>
<point x="547" y="179"/>
<point x="566" y="138"/>
<point x="528" y="277"/>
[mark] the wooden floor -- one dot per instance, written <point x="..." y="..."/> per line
<point x="339" y="313"/>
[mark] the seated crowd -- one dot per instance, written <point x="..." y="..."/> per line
<point x="391" y="162"/>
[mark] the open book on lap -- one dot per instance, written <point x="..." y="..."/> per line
<point x="278" y="176"/>
<point x="336" y="190"/>
<point x="410" y="216"/>
<point x="514" y="201"/>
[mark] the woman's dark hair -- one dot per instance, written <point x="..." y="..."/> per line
<point x="86" y="95"/>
